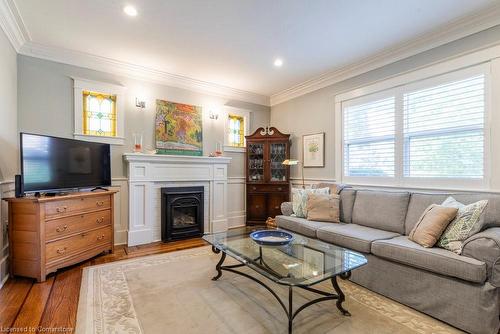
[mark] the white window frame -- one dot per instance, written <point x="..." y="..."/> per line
<point x="427" y="77"/>
<point x="81" y="85"/>
<point x="246" y="123"/>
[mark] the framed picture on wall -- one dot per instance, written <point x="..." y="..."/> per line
<point x="313" y="150"/>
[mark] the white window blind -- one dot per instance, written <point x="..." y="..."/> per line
<point x="369" y="138"/>
<point x="428" y="133"/>
<point x="444" y="130"/>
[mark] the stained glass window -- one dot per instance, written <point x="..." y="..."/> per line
<point x="99" y="114"/>
<point x="236" y="131"/>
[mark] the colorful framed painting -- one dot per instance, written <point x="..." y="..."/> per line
<point x="313" y="150"/>
<point x="178" y="128"/>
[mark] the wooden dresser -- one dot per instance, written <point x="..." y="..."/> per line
<point x="48" y="233"/>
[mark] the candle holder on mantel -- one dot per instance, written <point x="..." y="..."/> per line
<point x="137" y="142"/>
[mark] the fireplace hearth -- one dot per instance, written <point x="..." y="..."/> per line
<point x="181" y="213"/>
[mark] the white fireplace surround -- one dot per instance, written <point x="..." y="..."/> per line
<point x="148" y="173"/>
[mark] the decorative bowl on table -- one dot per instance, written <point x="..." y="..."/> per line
<point x="271" y="237"/>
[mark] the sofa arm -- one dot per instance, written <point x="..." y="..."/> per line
<point x="287" y="208"/>
<point x="485" y="246"/>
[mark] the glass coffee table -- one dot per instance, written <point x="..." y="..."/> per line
<point x="301" y="264"/>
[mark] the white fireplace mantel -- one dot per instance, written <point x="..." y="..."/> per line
<point x="148" y="173"/>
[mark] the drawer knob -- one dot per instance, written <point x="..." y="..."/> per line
<point x="61" y="250"/>
<point x="99" y="220"/>
<point x="276" y="207"/>
<point x="61" y="209"/>
<point x="100" y="237"/>
<point x="254" y="188"/>
<point x="280" y="189"/>
<point x="100" y="203"/>
<point x="62" y="228"/>
<point x="257" y="206"/>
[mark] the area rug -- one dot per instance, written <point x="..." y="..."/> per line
<point x="174" y="293"/>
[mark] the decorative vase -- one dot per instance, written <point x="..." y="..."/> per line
<point x="218" y="149"/>
<point x="137" y="142"/>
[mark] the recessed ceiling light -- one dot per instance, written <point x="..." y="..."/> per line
<point x="278" y="62"/>
<point x="130" y="10"/>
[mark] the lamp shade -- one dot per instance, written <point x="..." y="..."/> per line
<point x="290" y="162"/>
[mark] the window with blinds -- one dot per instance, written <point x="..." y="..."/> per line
<point x="444" y="130"/>
<point x="418" y="133"/>
<point x="369" y="138"/>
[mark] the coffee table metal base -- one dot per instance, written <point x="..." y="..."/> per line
<point x="339" y="295"/>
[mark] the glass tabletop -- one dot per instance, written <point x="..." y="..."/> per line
<point x="304" y="261"/>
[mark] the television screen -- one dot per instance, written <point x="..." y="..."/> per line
<point x="51" y="163"/>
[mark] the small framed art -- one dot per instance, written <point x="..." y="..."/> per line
<point x="313" y="150"/>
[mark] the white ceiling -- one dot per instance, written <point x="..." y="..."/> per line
<point x="233" y="43"/>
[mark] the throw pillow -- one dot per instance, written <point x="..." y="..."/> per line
<point x="299" y="199"/>
<point x="324" y="208"/>
<point x="463" y="226"/>
<point x="335" y="188"/>
<point x="431" y="224"/>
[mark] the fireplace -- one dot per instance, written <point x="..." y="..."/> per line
<point x="181" y="213"/>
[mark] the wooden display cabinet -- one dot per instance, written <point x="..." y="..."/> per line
<point x="267" y="179"/>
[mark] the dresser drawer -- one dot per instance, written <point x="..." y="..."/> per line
<point x="61" y="227"/>
<point x="78" y="243"/>
<point x="69" y="206"/>
<point x="265" y="188"/>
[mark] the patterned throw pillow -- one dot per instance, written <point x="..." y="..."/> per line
<point x="460" y="228"/>
<point x="299" y="199"/>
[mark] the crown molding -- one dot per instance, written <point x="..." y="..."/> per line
<point x="108" y="65"/>
<point x="12" y="24"/>
<point x="456" y="29"/>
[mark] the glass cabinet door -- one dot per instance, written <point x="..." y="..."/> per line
<point x="277" y="154"/>
<point x="255" y="153"/>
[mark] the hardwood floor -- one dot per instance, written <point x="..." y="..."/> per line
<point x="25" y="304"/>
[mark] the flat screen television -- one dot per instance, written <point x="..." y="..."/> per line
<point x="51" y="164"/>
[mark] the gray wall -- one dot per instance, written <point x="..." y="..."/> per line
<point x="314" y="112"/>
<point x="8" y="140"/>
<point x="8" y="109"/>
<point x="45" y="104"/>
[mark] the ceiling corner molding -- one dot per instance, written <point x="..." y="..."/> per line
<point x="108" y="65"/>
<point x="12" y="24"/>
<point x="454" y="30"/>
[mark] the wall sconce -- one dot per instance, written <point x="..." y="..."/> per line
<point x="140" y="104"/>
<point x="213" y="115"/>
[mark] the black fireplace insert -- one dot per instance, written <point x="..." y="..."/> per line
<point x="181" y="213"/>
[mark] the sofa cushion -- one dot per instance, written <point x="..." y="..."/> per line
<point x="437" y="260"/>
<point x="420" y="201"/>
<point x="381" y="209"/>
<point x="347" y="197"/>
<point x="466" y="223"/>
<point x="323" y="208"/>
<point x="299" y="199"/>
<point x="335" y="188"/>
<point x="431" y="225"/>
<point x="352" y="236"/>
<point x="300" y="225"/>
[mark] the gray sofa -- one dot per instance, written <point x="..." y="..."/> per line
<point x="462" y="290"/>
